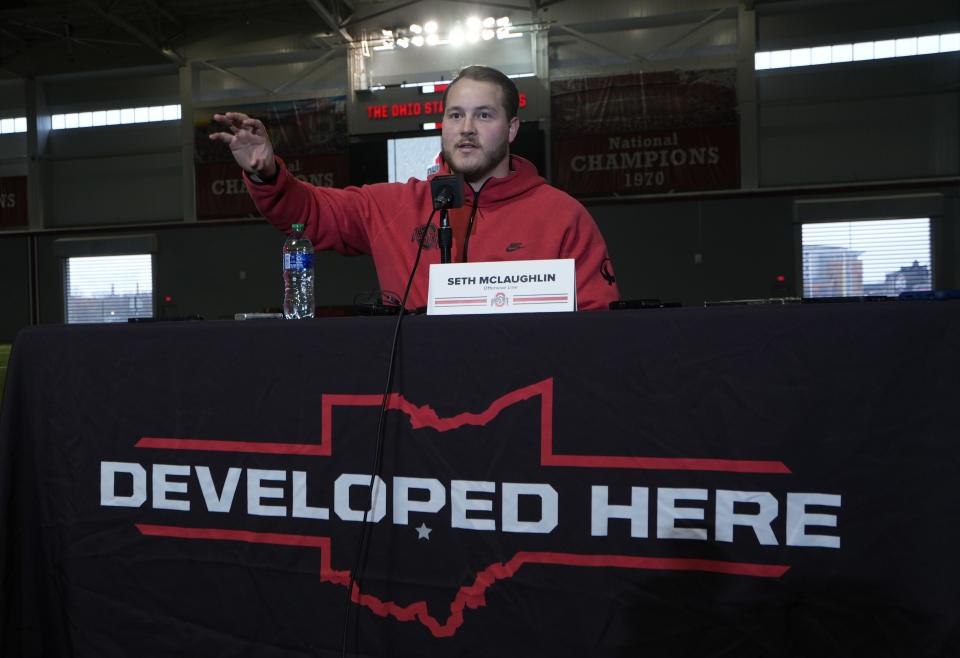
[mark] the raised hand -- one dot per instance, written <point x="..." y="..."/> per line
<point x="249" y="143"/>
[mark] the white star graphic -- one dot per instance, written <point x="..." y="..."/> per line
<point x="423" y="532"/>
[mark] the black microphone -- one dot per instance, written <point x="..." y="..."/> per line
<point x="447" y="192"/>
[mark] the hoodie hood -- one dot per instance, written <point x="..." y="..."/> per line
<point x="522" y="178"/>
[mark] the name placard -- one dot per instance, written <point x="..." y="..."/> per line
<point x="515" y="286"/>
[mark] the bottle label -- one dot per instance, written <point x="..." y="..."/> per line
<point x="298" y="262"/>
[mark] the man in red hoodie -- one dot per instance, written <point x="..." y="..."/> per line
<point x="509" y="213"/>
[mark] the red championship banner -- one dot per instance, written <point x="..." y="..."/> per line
<point x="310" y="135"/>
<point x="13" y="202"/>
<point x="222" y="193"/>
<point x="655" y="161"/>
<point x="670" y="131"/>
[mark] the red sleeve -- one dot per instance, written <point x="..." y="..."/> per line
<point x="333" y="218"/>
<point x="596" y="283"/>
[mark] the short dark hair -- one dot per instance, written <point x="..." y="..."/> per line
<point x="480" y="73"/>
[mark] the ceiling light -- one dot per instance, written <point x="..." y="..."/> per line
<point x="503" y="22"/>
<point x="417" y="41"/>
<point x="387" y="42"/>
<point x="489" y="21"/>
<point x="457" y="36"/>
<point x="403" y="42"/>
<point x="433" y="39"/>
<point x="416" y="29"/>
<point x="487" y="35"/>
<point x="430" y="27"/>
<point x="474" y="23"/>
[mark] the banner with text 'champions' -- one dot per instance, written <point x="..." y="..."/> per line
<point x="310" y="135"/>
<point x="13" y="202"/>
<point x="646" y="133"/>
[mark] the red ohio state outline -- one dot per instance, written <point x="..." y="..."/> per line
<point x="424" y="416"/>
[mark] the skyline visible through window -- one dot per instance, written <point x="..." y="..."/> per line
<point x="872" y="257"/>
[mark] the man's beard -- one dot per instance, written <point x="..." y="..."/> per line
<point x="479" y="167"/>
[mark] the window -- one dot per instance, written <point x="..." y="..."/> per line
<point x="114" y="117"/>
<point x="11" y="125"/>
<point x="867" y="257"/>
<point x="108" y="288"/>
<point x="930" y="44"/>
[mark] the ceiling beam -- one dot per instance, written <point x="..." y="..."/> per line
<point x="499" y="5"/>
<point x="12" y="37"/>
<point x="5" y="58"/>
<point x="350" y="9"/>
<point x="165" y="13"/>
<point x="43" y="30"/>
<point x="687" y="33"/>
<point x="313" y="67"/>
<point x="329" y="19"/>
<point x="375" y="14"/>
<point x="132" y="29"/>
<point x="673" y="19"/>
<point x="601" y="46"/>
<point x="242" y="78"/>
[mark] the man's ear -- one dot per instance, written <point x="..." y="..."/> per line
<point x="512" y="131"/>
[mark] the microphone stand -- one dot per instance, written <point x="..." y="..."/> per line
<point x="447" y="192"/>
<point x="445" y="236"/>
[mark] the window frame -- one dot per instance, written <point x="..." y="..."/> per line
<point x="872" y="208"/>
<point x="125" y="245"/>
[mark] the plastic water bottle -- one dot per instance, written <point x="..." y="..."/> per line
<point x="297" y="276"/>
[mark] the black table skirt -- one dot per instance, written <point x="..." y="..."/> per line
<point x="736" y="481"/>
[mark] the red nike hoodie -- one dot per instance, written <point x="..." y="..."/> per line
<point x="517" y="217"/>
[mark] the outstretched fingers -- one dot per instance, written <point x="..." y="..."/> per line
<point x="230" y="118"/>
<point x="236" y="122"/>
<point x="254" y="125"/>
<point x="226" y="121"/>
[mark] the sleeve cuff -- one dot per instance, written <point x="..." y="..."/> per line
<point x="267" y="181"/>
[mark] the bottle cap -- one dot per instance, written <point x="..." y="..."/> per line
<point x="297" y="227"/>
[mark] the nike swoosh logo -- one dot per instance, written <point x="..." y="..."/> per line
<point x="513" y="246"/>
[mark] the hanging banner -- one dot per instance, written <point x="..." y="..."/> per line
<point x="221" y="191"/>
<point x="655" y="161"/>
<point x="310" y="135"/>
<point x="13" y="202"/>
<point x="647" y="132"/>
